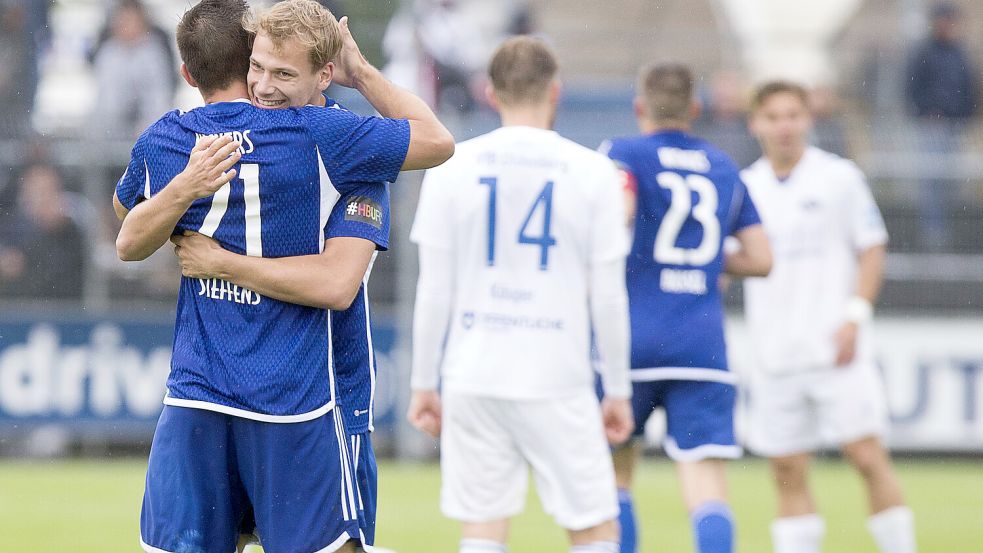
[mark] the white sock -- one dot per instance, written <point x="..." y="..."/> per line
<point x="800" y="534"/>
<point x="597" y="547"/>
<point x="471" y="545"/>
<point x="893" y="530"/>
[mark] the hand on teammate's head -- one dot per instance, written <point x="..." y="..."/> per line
<point x="350" y="61"/>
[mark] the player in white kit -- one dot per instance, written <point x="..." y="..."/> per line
<point x="815" y="381"/>
<point x="522" y="252"/>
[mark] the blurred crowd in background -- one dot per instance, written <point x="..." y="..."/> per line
<point x="81" y="79"/>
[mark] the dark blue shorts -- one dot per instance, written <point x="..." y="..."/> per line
<point x="699" y="417"/>
<point x="207" y="470"/>
<point x="366" y="478"/>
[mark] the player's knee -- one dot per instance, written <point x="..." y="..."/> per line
<point x="789" y="474"/>
<point x="607" y="531"/>
<point x="868" y="457"/>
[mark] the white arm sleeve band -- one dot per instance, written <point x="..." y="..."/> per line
<point x="431" y="315"/>
<point x="609" y="315"/>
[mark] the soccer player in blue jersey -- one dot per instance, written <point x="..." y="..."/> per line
<point x="248" y="420"/>
<point x="688" y="199"/>
<point x="281" y="75"/>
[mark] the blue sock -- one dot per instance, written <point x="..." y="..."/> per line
<point x="713" y="528"/>
<point x="626" y="518"/>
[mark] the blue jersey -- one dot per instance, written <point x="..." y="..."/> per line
<point x="235" y="351"/>
<point x="689" y="198"/>
<point x="355" y="369"/>
<point x="351" y="331"/>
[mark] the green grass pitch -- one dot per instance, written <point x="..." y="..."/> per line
<point x="93" y="506"/>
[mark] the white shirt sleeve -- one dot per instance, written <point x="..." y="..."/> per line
<point x="609" y="238"/>
<point x="866" y="224"/>
<point x="608" y="295"/>
<point x="431" y="315"/>
<point x="433" y="212"/>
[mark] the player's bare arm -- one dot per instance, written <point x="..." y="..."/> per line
<point x="430" y="142"/>
<point x="328" y="280"/>
<point x="870" y="275"/>
<point x="148" y="226"/>
<point x="754" y="258"/>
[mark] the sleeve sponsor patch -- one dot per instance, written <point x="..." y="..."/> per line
<point x="365" y="210"/>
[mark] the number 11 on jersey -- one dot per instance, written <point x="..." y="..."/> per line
<point x="545" y="240"/>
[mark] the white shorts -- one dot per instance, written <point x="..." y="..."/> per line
<point x="488" y="444"/>
<point x="800" y="412"/>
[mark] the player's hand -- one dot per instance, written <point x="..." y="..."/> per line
<point x="349" y="63"/>
<point x="199" y="255"/>
<point x="425" y="412"/>
<point x="846" y="343"/>
<point x="618" y="420"/>
<point x="210" y="166"/>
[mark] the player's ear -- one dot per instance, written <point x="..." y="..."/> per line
<point x="639" y="106"/>
<point x="556" y="89"/>
<point x="492" y="97"/>
<point x="325" y="75"/>
<point x="752" y="123"/>
<point x="187" y="76"/>
<point x="695" y="108"/>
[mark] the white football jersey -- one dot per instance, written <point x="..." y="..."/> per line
<point x="526" y="213"/>
<point x="818" y="220"/>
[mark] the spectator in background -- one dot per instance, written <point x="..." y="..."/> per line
<point x="157" y="34"/>
<point x="134" y="69"/>
<point x="827" y="128"/>
<point x="439" y="48"/>
<point x="16" y="59"/>
<point x="942" y="95"/>
<point x="723" y="119"/>
<point x="42" y="248"/>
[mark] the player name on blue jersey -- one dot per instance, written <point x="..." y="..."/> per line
<point x="689" y="198"/>
<point x="218" y="289"/>
<point x="242" y="137"/>
<point x="236" y="351"/>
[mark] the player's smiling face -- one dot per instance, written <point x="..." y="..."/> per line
<point x="782" y="124"/>
<point x="281" y="77"/>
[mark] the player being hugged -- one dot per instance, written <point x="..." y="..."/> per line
<point x="249" y="421"/>
<point x="522" y="249"/>
<point x="688" y="198"/>
<point x="815" y="381"/>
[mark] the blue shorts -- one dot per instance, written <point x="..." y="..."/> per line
<point x="366" y="490"/>
<point x="366" y="480"/>
<point x="699" y="417"/>
<point x="207" y="470"/>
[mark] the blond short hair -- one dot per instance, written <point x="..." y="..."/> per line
<point x="521" y="70"/>
<point x="309" y="23"/>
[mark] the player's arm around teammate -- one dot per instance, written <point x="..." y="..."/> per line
<point x="430" y="144"/>
<point x="210" y="167"/>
